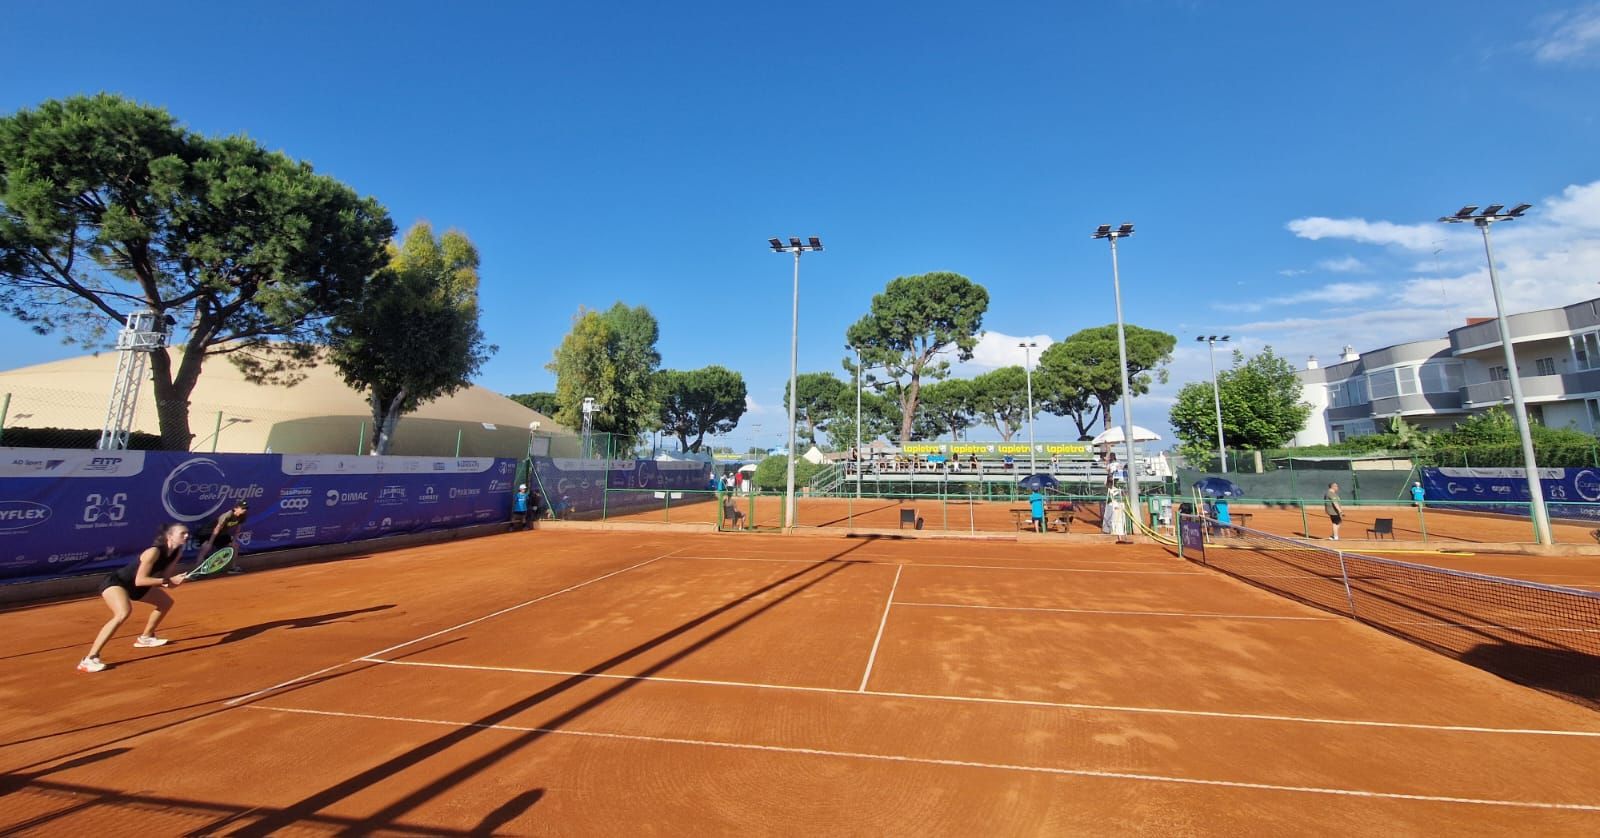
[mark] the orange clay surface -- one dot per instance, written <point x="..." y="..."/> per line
<point x="625" y="683"/>
<point x="1451" y="528"/>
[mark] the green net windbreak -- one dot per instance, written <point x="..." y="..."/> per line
<point x="1544" y="636"/>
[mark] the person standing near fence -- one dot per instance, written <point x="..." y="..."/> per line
<point x="519" y="509"/>
<point x="1417" y="494"/>
<point x="1036" y="509"/>
<point x="1331" y="505"/>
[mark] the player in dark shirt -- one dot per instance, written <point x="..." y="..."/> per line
<point x="222" y="534"/>
<point x="140" y="579"/>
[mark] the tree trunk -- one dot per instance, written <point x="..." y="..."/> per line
<point x="384" y="420"/>
<point x="172" y="393"/>
<point x="908" y="407"/>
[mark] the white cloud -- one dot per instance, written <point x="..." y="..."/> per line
<point x="1293" y="272"/>
<point x="1409" y="236"/>
<point x="1569" y="39"/>
<point x="1347" y="265"/>
<point x="751" y="407"/>
<point x="997" y="349"/>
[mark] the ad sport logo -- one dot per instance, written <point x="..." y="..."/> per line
<point x="199" y="487"/>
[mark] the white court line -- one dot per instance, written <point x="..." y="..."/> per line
<point x="977" y="566"/>
<point x="957" y="763"/>
<point x="881" y="624"/>
<point x="1019" y="702"/>
<point x="456" y="627"/>
<point x="1124" y="613"/>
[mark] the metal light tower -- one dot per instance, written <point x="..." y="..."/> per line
<point x="1104" y="231"/>
<point x="1027" y="348"/>
<point x="858" y="422"/>
<point x="144" y="333"/>
<point x="1216" y="395"/>
<point x="1490" y="215"/>
<point x="796" y="247"/>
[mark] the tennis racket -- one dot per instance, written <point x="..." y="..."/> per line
<point x="212" y="565"/>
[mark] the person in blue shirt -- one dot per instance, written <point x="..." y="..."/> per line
<point x="1416" y="494"/>
<point x="1224" y="517"/>
<point x="519" y="508"/>
<point x="1036" y="509"/>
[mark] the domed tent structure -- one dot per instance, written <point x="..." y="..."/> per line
<point x="318" y="415"/>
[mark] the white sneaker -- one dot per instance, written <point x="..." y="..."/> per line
<point x="91" y="664"/>
<point x="149" y="642"/>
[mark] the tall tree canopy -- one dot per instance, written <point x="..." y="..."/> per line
<point x="413" y="334"/>
<point x="695" y="403"/>
<point x="109" y="207"/>
<point x="609" y="356"/>
<point x="1000" y="399"/>
<point x="911" y="327"/>
<point x="1080" y="376"/>
<point x="822" y="397"/>
<point x="879" y="417"/>
<point x="946" y="407"/>
<point x="1261" y="406"/>
<point x="543" y="402"/>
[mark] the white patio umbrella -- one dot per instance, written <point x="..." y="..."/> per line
<point x="1114" y="436"/>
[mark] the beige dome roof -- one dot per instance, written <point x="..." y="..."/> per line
<point x="321" y="414"/>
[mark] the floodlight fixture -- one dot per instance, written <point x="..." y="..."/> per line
<point x="796" y="247"/>
<point x="1466" y="211"/>
<point x="1104" y="231"/>
<point x="1530" y="468"/>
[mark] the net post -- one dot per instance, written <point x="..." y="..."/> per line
<point x="1344" y="574"/>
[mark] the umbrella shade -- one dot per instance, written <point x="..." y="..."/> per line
<point x="1218" y="487"/>
<point x="1113" y="436"/>
<point x="1039" y="482"/>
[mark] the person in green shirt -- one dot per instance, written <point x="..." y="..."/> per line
<point x="1331" y="505"/>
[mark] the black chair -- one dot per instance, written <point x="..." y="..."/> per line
<point x="909" y="516"/>
<point x="1382" y="527"/>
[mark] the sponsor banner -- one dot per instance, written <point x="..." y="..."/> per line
<point x="995" y="449"/>
<point x="1192" y="537"/>
<point x="109" y="511"/>
<point x="1568" y="492"/>
<point x="574" y="486"/>
<point x="50" y="463"/>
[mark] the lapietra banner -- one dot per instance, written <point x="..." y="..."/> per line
<point x="71" y="511"/>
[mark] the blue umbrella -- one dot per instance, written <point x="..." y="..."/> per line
<point x="1039" y="483"/>
<point x="1218" y="487"/>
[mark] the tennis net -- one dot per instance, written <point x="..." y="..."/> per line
<point x="1544" y="636"/>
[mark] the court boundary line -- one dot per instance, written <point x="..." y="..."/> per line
<point x="955" y="763"/>
<point x="1122" y="613"/>
<point x="966" y="566"/>
<point x="882" y="624"/>
<point x="457" y="627"/>
<point x="1018" y="702"/>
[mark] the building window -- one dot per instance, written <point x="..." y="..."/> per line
<point x="1536" y="414"/>
<point x="1545" y="366"/>
<point x="1382" y="384"/>
<point x="1441" y="376"/>
<point x="1348" y="393"/>
<point x="1498" y="374"/>
<point x="1594" y="415"/>
<point x="1586" y="350"/>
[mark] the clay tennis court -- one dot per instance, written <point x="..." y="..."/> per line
<point x="592" y="683"/>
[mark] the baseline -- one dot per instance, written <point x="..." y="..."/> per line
<point x="1074" y="772"/>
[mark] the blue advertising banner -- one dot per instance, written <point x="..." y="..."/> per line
<point x="1192" y="538"/>
<point x="574" y="487"/>
<point x="1572" y="493"/>
<point x="71" y="511"/>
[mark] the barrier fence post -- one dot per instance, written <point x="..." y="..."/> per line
<point x="5" y="410"/>
<point x="1422" y="520"/>
<point x="458" y="442"/>
<point x="1305" y="525"/>
<point x="361" y="437"/>
<point x="216" y="433"/>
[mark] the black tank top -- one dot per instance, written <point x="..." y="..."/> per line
<point x="130" y="571"/>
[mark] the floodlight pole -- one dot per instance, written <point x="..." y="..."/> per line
<point x="1027" y="368"/>
<point x="796" y="247"/>
<point x="1106" y="232"/>
<point x="1216" y="395"/>
<point x="1530" y="467"/>
<point x="858" y="421"/>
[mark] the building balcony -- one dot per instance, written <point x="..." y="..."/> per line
<point x="1535" y="388"/>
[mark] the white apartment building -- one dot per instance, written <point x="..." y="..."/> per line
<point x="1435" y="383"/>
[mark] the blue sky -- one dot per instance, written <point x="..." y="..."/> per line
<point x="1284" y="162"/>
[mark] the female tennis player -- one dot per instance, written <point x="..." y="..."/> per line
<point x="137" y="580"/>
